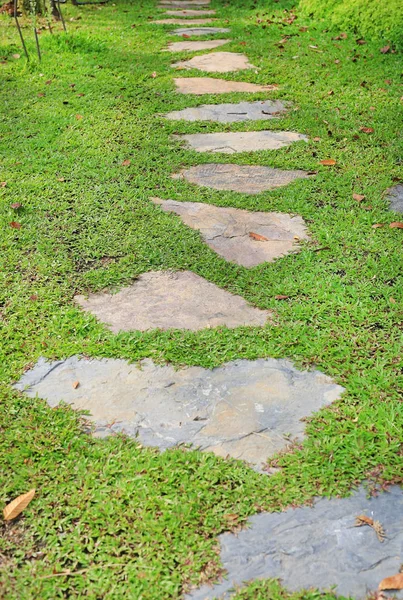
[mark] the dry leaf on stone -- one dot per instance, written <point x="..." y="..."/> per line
<point x="257" y="237"/>
<point x="358" y="197"/>
<point x="328" y="162"/>
<point x="76" y="384"/>
<point x="392" y="583"/>
<point x="376" y="526"/>
<point x="12" y="510"/>
<point x="396" y="225"/>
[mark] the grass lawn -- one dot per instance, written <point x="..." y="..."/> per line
<point x="112" y="519"/>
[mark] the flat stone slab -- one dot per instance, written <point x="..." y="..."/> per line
<point x="183" y="21"/>
<point x="181" y="4"/>
<point x="316" y="547"/>
<point x="189" y="31"/>
<point x="244" y="409"/>
<point x="242" y="141"/>
<point x="190" y="13"/>
<point x="246" y="238"/>
<point x="395" y="197"/>
<point x="217" y="62"/>
<point x="195" y="46"/>
<point x="171" y="300"/>
<point x="209" y="85"/>
<point x="230" y="113"/>
<point x="247" y="179"/>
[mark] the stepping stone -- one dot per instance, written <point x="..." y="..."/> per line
<point x="246" y="238"/>
<point x="395" y="197"/>
<point x="171" y="300"/>
<point x="190" y="13"/>
<point x="195" y="46"/>
<point x="247" y="179"/>
<point x="316" y="547"/>
<point x="230" y="113"/>
<point x="242" y="141"/>
<point x="208" y="85"/>
<point x="183" y="21"/>
<point x="188" y="3"/>
<point x="244" y="409"/>
<point x="217" y="62"/>
<point x="200" y="31"/>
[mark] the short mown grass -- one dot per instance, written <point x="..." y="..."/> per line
<point x="112" y="519"/>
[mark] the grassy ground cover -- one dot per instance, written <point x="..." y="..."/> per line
<point x="111" y="518"/>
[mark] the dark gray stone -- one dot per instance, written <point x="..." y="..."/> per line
<point x="230" y="113"/>
<point x="395" y="197"/>
<point x="200" y="30"/>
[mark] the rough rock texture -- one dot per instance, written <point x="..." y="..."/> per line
<point x="245" y="409"/>
<point x="230" y="113"/>
<point x="247" y="179"/>
<point x="395" y="197"/>
<point x="217" y="62"/>
<point x="195" y="46"/>
<point x="190" y="13"/>
<point x="230" y="231"/>
<point x="316" y="547"/>
<point x="208" y="85"/>
<point x="171" y="300"/>
<point x="183" y="21"/>
<point x="181" y="4"/>
<point x="200" y="30"/>
<point x="242" y="141"/>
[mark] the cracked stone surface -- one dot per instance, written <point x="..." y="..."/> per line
<point x="171" y="300"/>
<point x="217" y="62"/>
<point x="200" y="30"/>
<point x="395" y="197"/>
<point x="182" y="4"/>
<point x="190" y="13"/>
<point x="242" y="141"/>
<point x="230" y="113"/>
<point x="247" y="179"/>
<point x="195" y="46"/>
<point x="229" y="231"/>
<point x="183" y="21"/>
<point x="316" y="547"/>
<point x="209" y="85"/>
<point x="245" y="409"/>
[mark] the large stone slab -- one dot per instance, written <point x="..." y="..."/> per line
<point x="244" y="409"/>
<point x="183" y="21"/>
<point x="247" y="179"/>
<point x="171" y="300"/>
<point x="184" y="4"/>
<point x="217" y="62"/>
<point x="209" y="85"/>
<point x="395" y="197"/>
<point x="242" y="141"/>
<point x="316" y="547"/>
<point x="246" y="238"/>
<point x="195" y="46"/>
<point x="190" y="13"/>
<point x="189" y="31"/>
<point x="230" y="113"/>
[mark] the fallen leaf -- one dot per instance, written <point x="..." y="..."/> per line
<point x="33" y="298"/>
<point x="80" y="94"/>
<point x="281" y="297"/>
<point x="41" y="95"/>
<point x="358" y="197"/>
<point x="72" y="85"/>
<point x="242" y="43"/>
<point x="14" y="508"/>
<point x="392" y="300"/>
<point x="60" y="179"/>
<point x="367" y="129"/>
<point x="328" y="162"/>
<point x="126" y="163"/>
<point x="360" y="42"/>
<point x="76" y="384"/>
<point x="396" y="225"/>
<point x="376" y="526"/>
<point x="48" y="82"/>
<point x="377" y="225"/>
<point x="15" y="225"/>
<point x="16" y="56"/>
<point x="257" y="237"/>
<point x="316" y="139"/>
<point x="385" y="49"/>
<point x="330" y="93"/>
<point x="16" y="205"/>
<point x="392" y="583"/>
<point x="79" y="117"/>
<point x="154" y="74"/>
<point x="3" y="183"/>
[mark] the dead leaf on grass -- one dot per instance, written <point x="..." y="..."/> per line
<point x="15" y="225"/>
<point x="14" y="508"/>
<point x="378" y="225"/>
<point x="16" y="205"/>
<point x="392" y="583"/>
<point x="358" y="197"/>
<point x="126" y="163"/>
<point x="396" y="225"/>
<point x="328" y="162"/>
<point x="385" y="49"/>
<point x="367" y="129"/>
<point x="281" y="297"/>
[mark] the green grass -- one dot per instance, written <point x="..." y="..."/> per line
<point x="115" y="518"/>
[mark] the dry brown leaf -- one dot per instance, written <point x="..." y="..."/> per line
<point x="358" y="197"/>
<point x="16" y="56"/>
<point x="41" y="95"/>
<point x="367" y="129"/>
<point x="257" y="237"/>
<point x="392" y="583"/>
<point x="15" y="225"/>
<point x="154" y="74"/>
<point x="76" y="384"/>
<point x="396" y="225"/>
<point x="328" y="162"/>
<point x="79" y="117"/>
<point x="16" y="205"/>
<point x="376" y="526"/>
<point x="126" y="163"/>
<point x="14" y="508"/>
<point x="378" y="225"/>
<point x="385" y="49"/>
<point x="281" y="297"/>
<point x="392" y="300"/>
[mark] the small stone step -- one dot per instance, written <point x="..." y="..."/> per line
<point x="241" y="236"/>
<point x="216" y="62"/>
<point x="184" y="4"/>
<point x="195" y="46"/>
<point x="200" y="31"/>
<point x="183" y="21"/>
<point x="209" y="85"/>
<point x="190" y="13"/>
<point x="243" y="141"/>
<point x="230" y="113"/>
<point x="395" y="198"/>
<point x="246" y="179"/>
<point x="171" y="300"/>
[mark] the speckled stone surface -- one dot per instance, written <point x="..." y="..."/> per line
<point x="232" y="232"/>
<point x="189" y="46"/>
<point x="316" y="547"/>
<point x="184" y="4"/>
<point x="246" y="179"/>
<point x="171" y="300"/>
<point x="242" y="141"/>
<point x="183" y="21"/>
<point x="200" y="31"/>
<point x="230" y="113"/>
<point x="244" y="409"/>
<point x="210" y="85"/>
<point x="395" y="197"/>
<point x="190" y="13"/>
<point x="216" y="62"/>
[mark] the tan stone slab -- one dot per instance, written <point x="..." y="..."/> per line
<point x="208" y="85"/>
<point x="190" y="13"/>
<point x="246" y="179"/>
<point x="183" y="21"/>
<point x="171" y="300"/>
<point x="240" y="141"/>
<point x="231" y="112"/>
<point x="195" y="46"/>
<point x="217" y="62"/>
<point x="241" y="236"/>
<point x="179" y="4"/>
<point x="196" y="31"/>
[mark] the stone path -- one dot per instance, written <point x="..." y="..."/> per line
<point x="244" y="409"/>
<point x="200" y="31"/>
<point x="231" y="113"/>
<point x="246" y="238"/>
<point x="190" y="13"/>
<point x="207" y="85"/>
<point x="181" y="4"/>
<point x="242" y="141"/>
<point x="395" y="197"/>
<point x="219" y="62"/>
<point x="195" y="46"/>
<point x="183" y="21"/>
